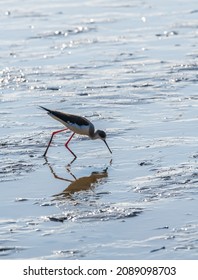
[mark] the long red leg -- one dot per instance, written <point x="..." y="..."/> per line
<point x="53" y="133"/>
<point x="66" y="145"/>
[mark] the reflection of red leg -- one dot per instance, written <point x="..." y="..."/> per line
<point x="53" y="133"/>
<point x="66" y="145"/>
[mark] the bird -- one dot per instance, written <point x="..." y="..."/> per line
<point x="78" y="125"/>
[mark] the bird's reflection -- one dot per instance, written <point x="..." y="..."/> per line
<point x="78" y="184"/>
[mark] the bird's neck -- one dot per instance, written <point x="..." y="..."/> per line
<point x="92" y="133"/>
<point x="95" y="135"/>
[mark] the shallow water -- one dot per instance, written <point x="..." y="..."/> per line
<point x="131" y="68"/>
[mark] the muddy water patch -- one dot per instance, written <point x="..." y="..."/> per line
<point x="174" y="181"/>
<point x="18" y="155"/>
<point x="101" y="213"/>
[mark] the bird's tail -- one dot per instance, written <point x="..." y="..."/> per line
<point x="45" y="109"/>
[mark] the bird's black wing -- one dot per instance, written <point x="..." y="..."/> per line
<point x="67" y="118"/>
<point x="70" y="119"/>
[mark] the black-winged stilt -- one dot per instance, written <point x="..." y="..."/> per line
<point x="77" y="124"/>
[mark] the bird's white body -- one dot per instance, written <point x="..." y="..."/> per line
<point x="82" y="130"/>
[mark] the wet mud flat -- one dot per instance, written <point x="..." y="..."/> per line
<point x="131" y="68"/>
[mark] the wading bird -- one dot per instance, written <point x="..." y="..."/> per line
<point x="77" y="124"/>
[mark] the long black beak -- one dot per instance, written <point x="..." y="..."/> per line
<point x="107" y="146"/>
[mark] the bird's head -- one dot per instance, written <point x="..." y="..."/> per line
<point x="102" y="135"/>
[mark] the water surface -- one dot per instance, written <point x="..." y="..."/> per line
<point x="131" y="68"/>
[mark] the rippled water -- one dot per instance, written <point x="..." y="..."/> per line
<point x="132" y="69"/>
